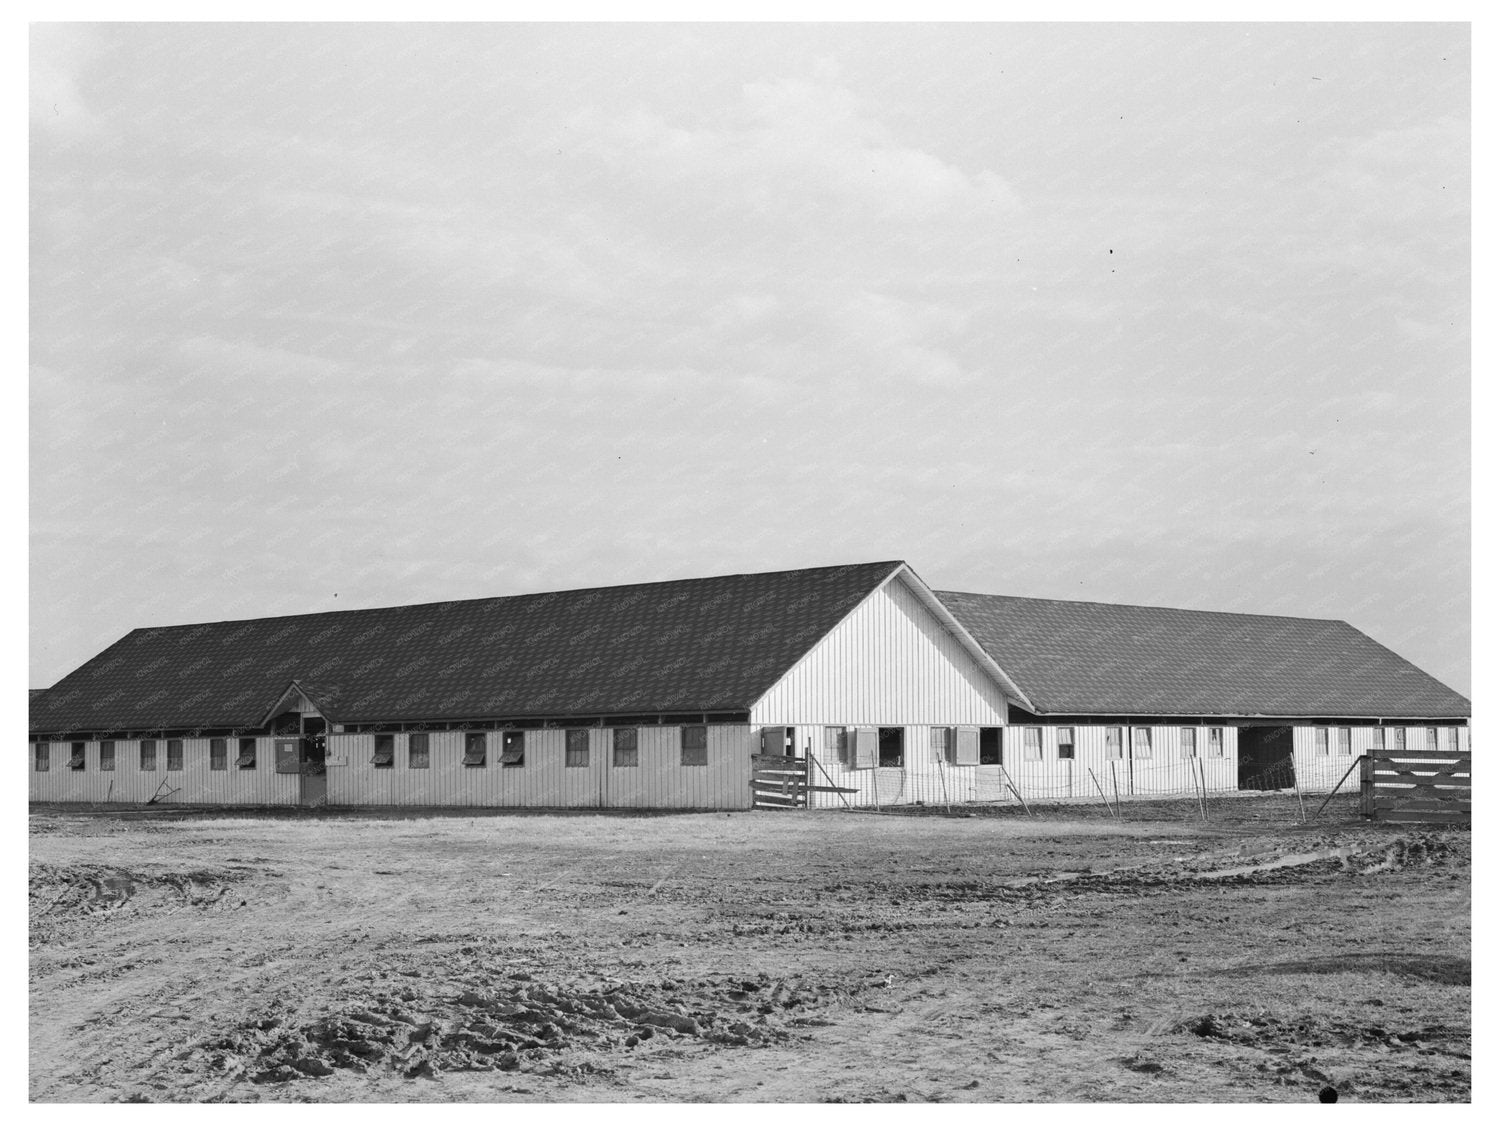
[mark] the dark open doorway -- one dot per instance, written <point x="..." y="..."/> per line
<point x="1266" y="758"/>
<point x="892" y="746"/>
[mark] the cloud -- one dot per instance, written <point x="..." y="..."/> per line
<point x="790" y="152"/>
<point x="59" y="52"/>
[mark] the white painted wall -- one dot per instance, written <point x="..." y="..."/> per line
<point x="195" y="783"/>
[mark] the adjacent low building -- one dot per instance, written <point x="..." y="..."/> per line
<point x="658" y="695"/>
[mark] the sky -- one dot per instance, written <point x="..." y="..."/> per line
<point x="337" y="316"/>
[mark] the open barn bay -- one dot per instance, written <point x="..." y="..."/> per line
<point x="199" y="955"/>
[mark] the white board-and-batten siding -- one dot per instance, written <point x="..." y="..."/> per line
<point x="544" y="780"/>
<point x="195" y="783"/>
<point x="891" y="661"/>
<point x="1319" y="771"/>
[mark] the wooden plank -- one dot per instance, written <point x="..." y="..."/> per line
<point x="777" y="761"/>
<point x="1430" y="803"/>
<point x="1388" y="776"/>
<point x="1418" y="756"/>
<point x="1397" y="816"/>
<point x="830" y="789"/>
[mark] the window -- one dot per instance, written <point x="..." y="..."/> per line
<point x="1140" y="742"/>
<point x="148" y="753"/>
<point x="107" y="755"/>
<point x="513" y="748"/>
<point x="174" y="754"/>
<point x="893" y="746"/>
<point x="416" y="750"/>
<point x="1320" y="741"/>
<point x="384" y="757"/>
<point x="1215" y="742"/>
<point x="942" y="744"/>
<point x="246" y="760"/>
<point x="1189" y="742"/>
<point x="76" y="760"/>
<point x="695" y="746"/>
<point x="218" y="754"/>
<point x="1065" y="743"/>
<point x="627" y="748"/>
<point x="1453" y="739"/>
<point x="837" y="740"/>
<point x="989" y="746"/>
<point x="1346" y="746"/>
<point x="474" y="748"/>
<point x="1031" y="743"/>
<point x="1398" y="738"/>
<point x="1377" y="739"/>
<point x="577" y="753"/>
<point x="43" y="757"/>
<point x="865" y="748"/>
<point x="1432" y="739"/>
<point x="1112" y="742"/>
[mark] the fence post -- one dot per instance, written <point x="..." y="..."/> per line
<point x="1366" y="784"/>
<point x="1202" y="789"/>
<point x="1102" y="797"/>
<point x="1114" y="778"/>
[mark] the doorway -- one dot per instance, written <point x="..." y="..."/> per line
<point x="1265" y="758"/>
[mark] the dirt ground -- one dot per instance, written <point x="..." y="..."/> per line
<point x="181" y="955"/>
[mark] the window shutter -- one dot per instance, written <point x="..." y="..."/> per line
<point x="866" y="748"/>
<point x="513" y="748"/>
<point x="286" y="755"/>
<point x="773" y="741"/>
<point x="966" y="749"/>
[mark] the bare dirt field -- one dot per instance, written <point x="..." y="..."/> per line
<point x="210" y="955"/>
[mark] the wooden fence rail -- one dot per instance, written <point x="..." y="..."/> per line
<point x="1415" y="787"/>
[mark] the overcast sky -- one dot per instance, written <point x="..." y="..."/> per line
<point x="344" y="316"/>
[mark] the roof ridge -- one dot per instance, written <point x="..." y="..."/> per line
<point x="504" y="597"/>
<point x="1135" y="605"/>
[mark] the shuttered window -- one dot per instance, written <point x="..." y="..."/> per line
<point x="474" y="749"/>
<point x="218" y="754"/>
<point x="1188" y="743"/>
<point x="107" y="755"/>
<point x="942" y="744"/>
<point x="1215" y="742"/>
<point x="1140" y="742"/>
<point x="148" y="753"/>
<point x="1031" y="744"/>
<point x="966" y="748"/>
<point x="837" y="740"/>
<point x="513" y="749"/>
<point x="695" y="746"/>
<point x="43" y="751"/>
<point x="384" y="757"/>
<point x="174" y="754"/>
<point x="1377" y="739"/>
<point x="416" y="750"/>
<point x="246" y="760"/>
<point x="1432" y="743"/>
<point x="1320" y="741"/>
<point x="866" y="748"/>
<point x="1065" y="743"/>
<point x="1398" y="738"/>
<point x="627" y="746"/>
<point x="1453" y="739"/>
<point x="76" y="760"/>
<point x="1112" y="743"/>
<point x="577" y="753"/>
<point x="1346" y="742"/>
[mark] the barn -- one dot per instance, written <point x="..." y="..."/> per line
<point x="659" y="695"/>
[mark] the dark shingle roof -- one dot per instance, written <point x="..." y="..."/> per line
<point x="1094" y="658"/>
<point x="703" y="644"/>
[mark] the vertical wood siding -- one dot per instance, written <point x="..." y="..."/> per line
<point x="1319" y="773"/>
<point x="545" y="781"/>
<point x="889" y="662"/>
<point x="195" y="782"/>
<point x="1051" y="778"/>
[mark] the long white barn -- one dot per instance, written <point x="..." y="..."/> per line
<point x="658" y="696"/>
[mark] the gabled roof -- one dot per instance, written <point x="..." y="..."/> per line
<point x="695" y="645"/>
<point x="1091" y="658"/>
